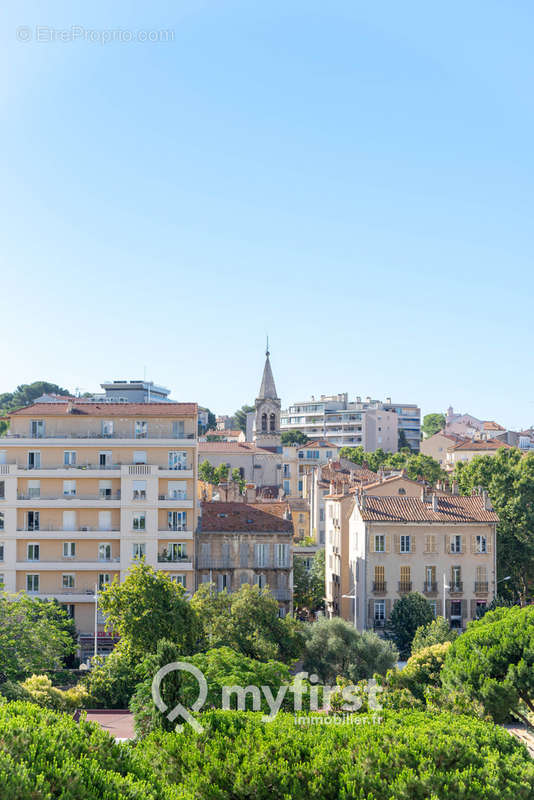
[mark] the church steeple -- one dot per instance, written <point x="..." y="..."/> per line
<point x="267" y="421"/>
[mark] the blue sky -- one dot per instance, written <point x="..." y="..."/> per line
<point x="355" y="179"/>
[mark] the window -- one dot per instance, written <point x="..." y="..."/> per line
<point x="69" y="609"/>
<point x="286" y="487"/>
<point x="456" y="543"/>
<point x="178" y="429"/>
<point x="177" y="490"/>
<point x="264" y="423"/>
<point x="32" y="583"/>
<point x="181" y="579"/>
<point x="34" y="489"/>
<point x="104" y="579"/>
<point x="405" y="543"/>
<point x="34" y="459"/>
<point x="456" y="579"/>
<point x="32" y="552"/>
<point x="37" y="428"/>
<point x="481" y="580"/>
<point x="329" y="454"/>
<point x="69" y="520"/>
<point x="379" y="579"/>
<point x="104" y="459"/>
<point x="380" y="543"/>
<point x="281" y="552"/>
<point x="434" y="607"/>
<point x="104" y="489"/>
<point x="69" y="458"/>
<point x="1" y="551"/>
<point x="176" y="551"/>
<point x="139" y="490"/>
<point x="262" y="554"/>
<point x="405" y="579"/>
<point x="69" y="488"/>
<point x="430" y="544"/>
<point x="481" y="544"/>
<point x="300" y="487"/>
<point x="272" y="423"/>
<point x="2" y="490"/>
<point x="141" y="429"/>
<point x="104" y="551"/>
<point x="139" y="457"/>
<point x="286" y="471"/>
<point x="176" y="520"/>
<point x="430" y="579"/>
<point x="33" y="520"/>
<point x="379" y="614"/>
<point x="68" y="581"/>
<point x="402" y="491"/>
<point x="104" y="520"/>
<point x="1" y="520"/>
<point x="301" y="533"/>
<point x="138" y="550"/>
<point x="107" y="427"/>
<point x="139" y="522"/>
<point x="177" y="459"/>
<point x="69" y="549"/>
<point x="2" y="581"/>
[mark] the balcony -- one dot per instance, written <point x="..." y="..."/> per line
<point x="282" y="595"/>
<point x="430" y="587"/>
<point x="481" y="586"/>
<point x="405" y="586"/>
<point x="103" y="436"/>
<point x="379" y="587"/>
<point x="70" y="497"/>
<point x="456" y="588"/>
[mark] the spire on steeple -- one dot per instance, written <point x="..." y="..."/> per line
<point x="267" y="388"/>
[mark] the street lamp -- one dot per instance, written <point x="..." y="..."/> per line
<point x="508" y="577"/>
<point x="352" y="597"/>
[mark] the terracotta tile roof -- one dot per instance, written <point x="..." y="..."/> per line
<point x="392" y="479"/>
<point x="489" y="425"/>
<point x="451" y="508"/>
<point x="245" y="517"/>
<point x="480" y="444"/>
<point x="242" y="448"/>
<point x="224" y="433"/>
<point x="87" y="408"/>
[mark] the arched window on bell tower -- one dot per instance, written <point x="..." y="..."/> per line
<point x="264" y="423"/>
<point x="272" y="420"/>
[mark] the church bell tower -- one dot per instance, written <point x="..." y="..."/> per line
<point x="267" y="420"/>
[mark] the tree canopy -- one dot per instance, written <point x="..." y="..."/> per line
<point x="407" y="615"/>
<point x="247" y="621"/>
<point x="418" y="466"/>
<point x="309" y="584"/>
<point x="294" y="437"/>
<point x="240" y="417"/>
<point x="508" y="476"/>
<point x="334" y="648"/>
<point x="436" y="632"/>
<point x="24" y="395"/>
<point x="433" y="423"/>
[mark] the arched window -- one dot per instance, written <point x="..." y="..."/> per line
<point x="264" y="422"/>
<point x="273" y="422"/>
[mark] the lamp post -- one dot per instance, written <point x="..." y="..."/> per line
<point x="445" y="587"/>
<point x="352" y="597"/>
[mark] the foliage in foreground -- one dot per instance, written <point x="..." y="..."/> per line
<point x="436" y="632"/>
<point x="413" y="755"/>
<point x="493" y="662"/>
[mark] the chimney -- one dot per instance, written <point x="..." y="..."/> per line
<point x="250" y="493"/>
<point x="486" y="501"/>
<point x="434" y="501"/>
<point x="455" y="487"/>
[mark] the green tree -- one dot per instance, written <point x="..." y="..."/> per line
<point x="436" y="632"/>
<point x="422" y="467"/>
<point x="294" y="437"/>
<point x="422" y="670"/>
<point x="240" y="417"/>
<point x="493" y="663"/>
<point x="112" y="680"/>
<point x="334" y="648"/>
<point x="408" y="614"/>
<point x="309" y="584"/>
<point x="247" y="621"/>
<point x="25" y="395"/>
<point x="206" y="472"/>
<point x="433" y="423"/>
<point x="354" y="454"/>
<point x="35" y="635"/>
<point x="508" y="477"/>
<point x="402" y="441"/>
<point x="148" y="606"/>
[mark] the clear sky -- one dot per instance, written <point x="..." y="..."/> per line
<point x="354" y="178"/>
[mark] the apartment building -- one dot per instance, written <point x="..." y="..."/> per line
<point x="371" y="424"/>
<point x="468" y="450"/>
<point x="238" y="543"/>
<point x="381" y="547"/>
<point x="87" y="488"/>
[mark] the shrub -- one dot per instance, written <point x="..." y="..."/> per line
<point x="39" y="689"/>
<point x="113" y="680"/>
<point x="436" y="632"/>
<point x="410" y="756"/>
<point x="422" y="670"/>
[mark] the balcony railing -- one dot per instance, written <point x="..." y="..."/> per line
<point x="379" y="586"/>
<point x="100" y="496"/>
<point x="173" y="497"/>
<point x="80" y="529"/>
<point x="170" y="558"/>
<point x="206" y="562"/>
<point x="100" y="436"/>
<point x="456" y="588"/>
<point x="405" y="586"/>
<point x="481" y="586"/>
<point x="71" y="560"/>
<point x="430" y="587"/>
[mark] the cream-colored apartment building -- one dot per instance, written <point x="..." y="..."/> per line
<point x="381" y="547"/>
<point x="89" y="487"/>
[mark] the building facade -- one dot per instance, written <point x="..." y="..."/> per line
<point x="381" y="547"/>
<point x="371" y="424"/>
<point x="89" y="488"/>
<point x="251" y="543"/>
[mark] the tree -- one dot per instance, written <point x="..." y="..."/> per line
<point x="417" y="465"/>
<point x="25" y="395"/>
<point x="294" y="437"/>
<point x="423" y="669"/>
<point x="240" y="417"/>
<point x="402" y="441"/>
<point x="112" y="680"/>
<point x="493" y="662"/>
<point x="148" y="606"/>
<point x="35" y="635"/>
<point x="211" y="424"/>
<point x="422" y="467"/>
<point x="433" y="423"/>
<point x="436" y="632"/>
<point x="354" y="454"/>
<point x="333" y="647"/>
<point x="407" y="615"/>
<point x="508" y="477"/>
<point x="247" y="621"/>
<point x="309" y="584"/>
